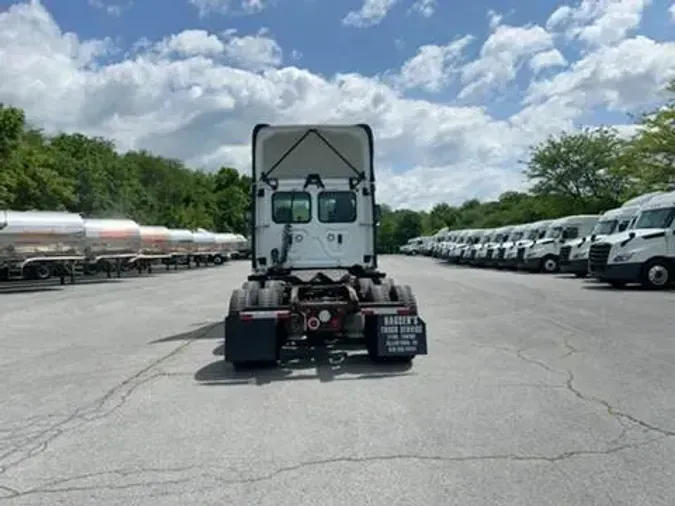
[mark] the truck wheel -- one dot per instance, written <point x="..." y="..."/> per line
<point x="549" y="264"/>
<point x="405" y="295"/>
<point x="270" y="297"/>
<point x="217" y="260"/>
<point x="365" y="287"/>
<point x="275" y="283"/>
<point x="42" y="272"/>
<point x="656" y="275"/>
<point x="388" y="284"/>
<point x="240" y="300"/>
<point x="378" y="293"/>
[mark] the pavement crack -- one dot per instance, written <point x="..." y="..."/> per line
<point x="55" y="486"/>
<point x="99" y="409"/>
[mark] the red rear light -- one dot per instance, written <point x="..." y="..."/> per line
<point x="245" y="317"/>
<point x="403" y="311"/>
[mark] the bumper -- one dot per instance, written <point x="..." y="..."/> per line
<point x="575" y="267"/>
<point x="257" y="335"/>
<point x="622" y="273"/>
<point x="529" y="264"/>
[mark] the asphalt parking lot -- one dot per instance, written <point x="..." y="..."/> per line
<point x="538" y="390"/>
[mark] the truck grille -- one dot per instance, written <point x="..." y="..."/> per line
<point x="598" y="256"/>
<point x="500" y="254"/>
<point x="521" y="254"/>
<point x="565" y="254"/>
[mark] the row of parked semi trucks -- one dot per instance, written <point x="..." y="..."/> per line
<point x="634" y="243"/>
<point x="42" y="244"/>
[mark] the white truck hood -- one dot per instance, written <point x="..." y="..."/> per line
<point x="624" y="236"/>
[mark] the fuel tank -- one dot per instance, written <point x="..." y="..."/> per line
<point x="106" y="237"/>
<point x="182" y="241"/>
<point x="155" y="240"/>
<point x="33" y="234"/>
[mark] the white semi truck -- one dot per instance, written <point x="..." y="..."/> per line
<point x="574" y="256"/>
<point x="506" y="252"/>
<point x="543" y="255"/>
<point x="643" y="254"/>
<point x="315" y="275"/>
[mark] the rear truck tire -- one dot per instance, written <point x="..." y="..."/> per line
<point x="365" y="287"/>
<point x="378" y="293"/>
<point x="253" y="287"/>
<point x="389" y="284"/>
<point x="270" y="296"/>
<point x="405" y="295"/>
<point x="218" y="260"/>
<point x="240" y="300"/>
<point x="549" y="264"/>
<point x="656" y="274"/>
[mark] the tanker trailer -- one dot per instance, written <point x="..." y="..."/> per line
<point x="182" y="246"/>
<point x="225" y="245"/>
<point x="242" y="246"/>
<point x="40" y="244"/>
<point x="155" y="247"/>
<point x="205" y="247"/>
<point x="110" y="243"/>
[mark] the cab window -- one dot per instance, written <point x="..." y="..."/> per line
<point x="337" y="207"/>
<point x="291" y="207"/>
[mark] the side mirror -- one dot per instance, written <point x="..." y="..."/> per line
<point x="378" y="213"/>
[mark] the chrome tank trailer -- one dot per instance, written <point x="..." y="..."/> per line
<point x="109" y="239"/>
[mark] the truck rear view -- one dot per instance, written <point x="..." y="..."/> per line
<point x="315" y="275"/>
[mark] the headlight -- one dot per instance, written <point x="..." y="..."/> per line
<point x="622" y="257"/>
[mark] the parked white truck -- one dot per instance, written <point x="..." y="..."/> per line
<point x="515" y="257"/>
<point x="544" y="254"/>
<point x="314" y="265"/>
<point x="644" y="254"/>
<point x="574" y="256"/>
<point x="506" y="252"/>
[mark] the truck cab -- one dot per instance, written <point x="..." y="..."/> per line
<point x="544" y="255"/>
<point x="643" y="254"/>
<point x="314" y="268"/>
<point x="574" y="256"/>
<point x="536" y="232"/>
<point x="468" y="254"/>
<point x="482" y="248"/>
<point x="459" y="246"/>
<point x="507" y="250"/>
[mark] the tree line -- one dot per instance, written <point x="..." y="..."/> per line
<point x="587" y="171"/>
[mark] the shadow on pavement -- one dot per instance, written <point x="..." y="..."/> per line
<point x="323" y="363"/>
<point x="213" y="330"/>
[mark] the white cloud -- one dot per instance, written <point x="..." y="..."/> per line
<point x="191" y="43"/>
<point x="433" y="66"/>
<point x="371" y="13"/>
<point x="504" y="50"/>
<point x="494" y="19"/>
<point x="671" y="10"/>
<point x="599" y="22"/>
<point x="112" y="9"/>
<point x="185" y="97"/>
<point x="547" y="59"/>
<point x="207" y="7"/>
<point x="425" y="8"/>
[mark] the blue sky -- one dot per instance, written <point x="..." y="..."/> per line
<point x="470" y="140"/>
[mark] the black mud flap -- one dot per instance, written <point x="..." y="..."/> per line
<point x="250" y="340"/>
<point x="399" y="335"/>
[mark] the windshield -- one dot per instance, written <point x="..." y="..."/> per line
<point x="534" y="234"/>
<point x="516" y="236"/>
<point x="605" y="227"/>
<point x="554" y="233"/>
<point x="656" y="218"/>
<point x="486" y="239"/>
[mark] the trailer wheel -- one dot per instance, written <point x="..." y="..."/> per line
<point x="217" y="260"/>
<point x="405" y="295"/>
<point x="42" y="272"/>
<point x="656" y="275"/>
